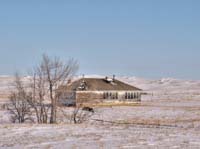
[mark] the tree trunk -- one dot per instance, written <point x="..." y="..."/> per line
<point x="53" y="106"/>
<point x="53" y="114"/>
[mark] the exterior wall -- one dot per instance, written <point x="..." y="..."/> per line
<point x="89" y="97"/>
<point x="107" y="96"/>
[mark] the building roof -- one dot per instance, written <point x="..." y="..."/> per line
<point x="100" y="84"/>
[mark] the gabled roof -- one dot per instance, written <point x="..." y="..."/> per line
<point x="98" y="84"/>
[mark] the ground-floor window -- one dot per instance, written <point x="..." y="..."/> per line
<point x="110" y="95"/>
<point x="131" y="95"/>
<point x="115" y="95"/>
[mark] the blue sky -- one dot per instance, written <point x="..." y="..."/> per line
<point x="145" y="38"/>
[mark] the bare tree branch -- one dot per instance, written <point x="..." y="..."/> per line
<point x="19" y="107"/>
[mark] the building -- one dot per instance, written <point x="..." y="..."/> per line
<point x="97" y="90"/>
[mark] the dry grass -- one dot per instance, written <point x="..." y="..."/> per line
<point x="114" y="104"/>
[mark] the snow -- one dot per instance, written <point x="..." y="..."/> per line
<point x="168" y="117"/>
<point x="151" y="125"/>
<point x="95" y="136"/>
<point x="166" y="88"/>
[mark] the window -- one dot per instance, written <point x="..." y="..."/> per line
<point x="132" y="96"/>
<point x="126" y="95"/>
<point x="107" y="95"/>
<point x="135" y="95"/>
<point x="113" y="96"/>
<point x="129" y="95"/>
<point x="110" y="95"/>
<point x="116" y="95"/>
<point x="104" y="95"/>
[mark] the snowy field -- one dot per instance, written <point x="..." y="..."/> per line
<point x="169" y="117"/>
<point x="96" y="136"/>
<point x="143" y="126"/>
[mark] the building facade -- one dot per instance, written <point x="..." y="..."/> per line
<point x="98" y="90"/>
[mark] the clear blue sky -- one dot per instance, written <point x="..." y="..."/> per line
<point x="147" y="38"/>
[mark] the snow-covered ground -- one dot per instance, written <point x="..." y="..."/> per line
<point x="6" y="86"/>
<point x="166" y="88"/>
<point x="96" y="136"/>
<point x="168" y="117"/>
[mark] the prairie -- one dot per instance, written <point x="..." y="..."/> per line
<point x="168" y="117"/>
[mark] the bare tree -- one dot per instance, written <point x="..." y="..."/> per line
<point x="51" y="74"/>
<point x="19" y="107"/>
<point x="40" y="95"/>
<point x="37" y="100"/>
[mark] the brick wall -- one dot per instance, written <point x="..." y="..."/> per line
<point x="89" y="97"/>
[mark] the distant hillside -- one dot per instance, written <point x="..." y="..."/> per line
<point x="166" y="88"/>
